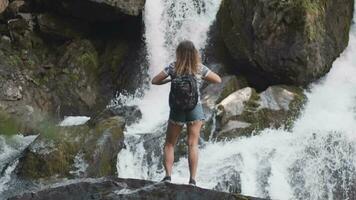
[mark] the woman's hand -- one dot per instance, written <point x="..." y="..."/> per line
<point x="160" y="79"/>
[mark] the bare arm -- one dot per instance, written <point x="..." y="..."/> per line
<point x="213" y="77"/>
<point x="160" y="79"/>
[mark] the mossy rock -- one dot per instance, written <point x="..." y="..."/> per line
<point x="291" y="41"/>
<point x="102" y="155"/>
<point x="54" y="156"/>
<point x="277" y="107"/>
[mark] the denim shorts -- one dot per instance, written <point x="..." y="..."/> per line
<point x="182" y="117"/>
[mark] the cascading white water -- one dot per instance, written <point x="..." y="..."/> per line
<point x="316" y="160"/>
<point x="167" y="22"/>
<point x="10" y="149"/>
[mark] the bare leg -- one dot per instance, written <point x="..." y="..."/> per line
<point x="173" y="131"/>
<point x="193" y="139"/>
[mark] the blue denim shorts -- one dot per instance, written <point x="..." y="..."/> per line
<point x="182" y="117"/>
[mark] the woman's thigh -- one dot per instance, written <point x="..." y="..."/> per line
<point x="194" y="132"/>
<point x="173" y="131"/>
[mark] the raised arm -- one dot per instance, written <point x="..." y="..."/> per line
<point x="213" y="77"/>
<point x="160" y="79"/>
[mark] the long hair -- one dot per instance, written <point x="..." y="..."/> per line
<point x="187" y="58"/>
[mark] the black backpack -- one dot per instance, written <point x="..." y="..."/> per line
<point x="184" y="93"/>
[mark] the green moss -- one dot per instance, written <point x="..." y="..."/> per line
<point x="106" y="166"/>
<point x="261" y="118"/>
<point x="114" y="55"/>
<point x="89" y="60"/>
<point x="231" y="86"/>
<point x="37" y="166"/>
<point x="60" y="158"/>
<point x="13" y="60"/>
<point x="253" y="103"/>
<point x="308" y="15"/>
<point x="8" y="125"/>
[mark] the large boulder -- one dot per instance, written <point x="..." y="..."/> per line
<point x="125" y="189"/>
<point x="290" y="42"/>
<point x="74" y="151"/>
<point x="213" y="94"/>
<point x="246" y="112"/>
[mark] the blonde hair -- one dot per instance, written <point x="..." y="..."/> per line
<point x="187" y="58"/>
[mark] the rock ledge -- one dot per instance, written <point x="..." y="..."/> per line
<point x="117" y="188"/>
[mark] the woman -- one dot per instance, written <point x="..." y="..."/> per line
<point x="187" y="63"/>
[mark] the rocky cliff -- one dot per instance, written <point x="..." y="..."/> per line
<point x="60" y="58"/>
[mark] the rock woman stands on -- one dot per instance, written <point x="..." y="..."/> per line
<point x="186" y="74"/>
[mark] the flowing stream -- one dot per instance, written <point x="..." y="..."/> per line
<point x="316" y="160"/>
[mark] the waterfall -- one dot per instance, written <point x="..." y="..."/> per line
<point x="167" y="22"/>
<point x="316" y="160"/>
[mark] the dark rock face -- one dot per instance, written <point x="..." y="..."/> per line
<point x="61" y="27"/>
<point x="116" y="188"/>
<point x="290" y="42"/>
<point x="93" y="10"/>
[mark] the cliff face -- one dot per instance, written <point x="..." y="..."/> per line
<point x="291" y="42"/>
<point x="60" y="58"/>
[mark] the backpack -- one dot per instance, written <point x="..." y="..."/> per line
<point x="184" y="93"/>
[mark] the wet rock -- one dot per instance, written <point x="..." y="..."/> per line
<point x="290" y="42"/>
<point x="9" y="91"/>
<point x="21" y="104"/>
<point x="116" y="188"/>
<point x="214" y="93"/>
<point x="76" y="151"/>
<point x="21" y="32"/>
<point x="74" y="81"/>
<point x="245" y="112"/>
<point x="131" y="114"/>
